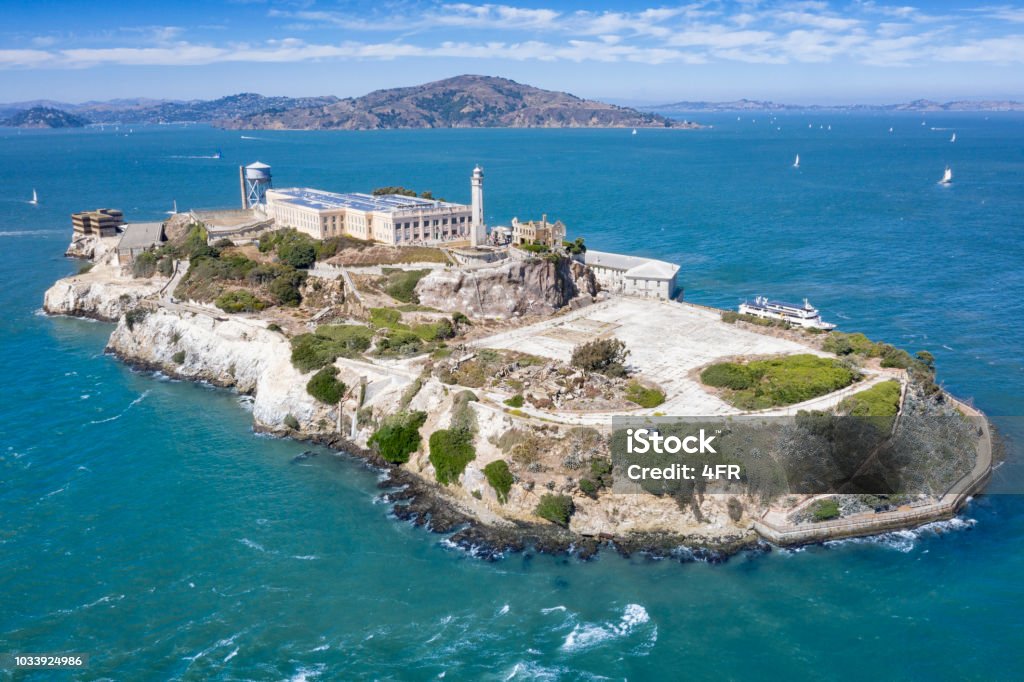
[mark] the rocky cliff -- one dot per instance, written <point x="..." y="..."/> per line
<point x="508" y="289"/>
<point x="96" y="297"/>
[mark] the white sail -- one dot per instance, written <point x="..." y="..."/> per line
<point x="634" y="131"/>
<point x="953" y="139"/>
<point x="796" y="162"/>
<point x="35" y="197"/>
<point x="947" y="177"/>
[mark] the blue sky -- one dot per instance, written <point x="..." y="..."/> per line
<point x="792" y="51"/>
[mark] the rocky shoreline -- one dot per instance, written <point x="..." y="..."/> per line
<point x="250" y="355"/>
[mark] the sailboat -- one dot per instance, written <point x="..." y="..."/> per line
<point x="953" y="139"/>
<point x="796" y="162"/>
<point x="890" y="129"/>
<point x="947" y="177"/>
<point x="174" y="211"/>
<point x="35" y="198"/>
<point x="634" y="131"/>
<point x="217" y="155"/>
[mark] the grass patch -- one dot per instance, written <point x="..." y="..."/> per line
<point x="515" y="401"/>
<point x="401" y="284"/>
<point x="644" y="396"/>
<point x="778" y="381"/>
<point x="825" y="510"/>
<point x="398" y="436"/>
<point x="327" y="344"/>
<point x="881" y="400"/>
<point x="500" y="479"/>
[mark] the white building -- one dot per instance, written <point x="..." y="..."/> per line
<point x="387" y="218"/>
<point x="633" y="275"/>
<point x="479" y="227"/>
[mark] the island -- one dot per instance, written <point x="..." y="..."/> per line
<point x="499" y="376"/>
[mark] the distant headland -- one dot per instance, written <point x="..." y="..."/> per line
<point x="466" y="101"/>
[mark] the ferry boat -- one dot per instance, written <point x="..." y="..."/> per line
<point x="804" y="315"/>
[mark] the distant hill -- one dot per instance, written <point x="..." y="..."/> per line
<point x="44" y="117"/>
<point x="460" y="102"/>
<point x="198" y="111"/>
<point x="924" y="105"/>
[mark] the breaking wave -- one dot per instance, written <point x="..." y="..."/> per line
<point x="588" y="635"/>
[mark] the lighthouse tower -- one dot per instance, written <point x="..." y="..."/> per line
<point x="478" y="231"/>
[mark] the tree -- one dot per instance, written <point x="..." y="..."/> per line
<point x="605" y="356"/>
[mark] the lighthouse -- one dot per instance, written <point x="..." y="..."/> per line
<point x="478" y="231"/>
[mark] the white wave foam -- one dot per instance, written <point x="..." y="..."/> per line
<point x="231" y="655"/>
<point x="118" y="416"/>
<point x="504" y="610"/>
<point x="905" y="540"/>
<point x="253" y="545"/>
<point x="587" y="635"/>
<point x="553" y="609"/>
<point x="305" y="557"/>
<point x="306" y="674"/>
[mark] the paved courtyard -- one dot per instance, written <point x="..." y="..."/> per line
<point x="666" y="342"/>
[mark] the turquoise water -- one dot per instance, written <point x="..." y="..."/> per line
<point x="143" y="523"/>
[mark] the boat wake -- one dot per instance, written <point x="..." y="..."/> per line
<point x="124" y="412"/>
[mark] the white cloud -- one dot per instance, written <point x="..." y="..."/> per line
<point x="754" y="31"/>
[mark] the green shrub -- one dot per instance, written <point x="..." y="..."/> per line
<point x="823" y="510"/>
<point x="144" y="265"/>
<point x="500" y="478"/>
<point x="450" y="451"/>
<point x="588" y="487"/>
<point x="274" y="327"/>
<point x="325" y="386"/>
<point x="400" y="342"/>
<point x="297" y="254"/>
<point x="401" y="284"/>
<point x="239" y="301"/>
<point x="894" y="357"/>
<point x="398" y="436"/>
<point x="729" y="375"/>
<point x="644" y="396"/>
<point x="135" y="316"/>
<point x="291" y="422"/>
<point x="515" y="401"/>
<point x="606" y="356"/>
<point x="556" y="509"/>
<point x="842" y="343"/>
<point x="85" y="267"/>
<point x="179" y="357"/>
<point x="285" y="287"/>
<point x="534" y="248"/>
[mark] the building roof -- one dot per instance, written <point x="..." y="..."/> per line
<point x="631" y="266"/>
<point x="655" y="269"/>
<point x="141" y="235"/>
<point x="258" y="165"/>
<point x="324" y="201"/>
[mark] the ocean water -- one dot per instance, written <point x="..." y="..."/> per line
<point x="143" y="523"/>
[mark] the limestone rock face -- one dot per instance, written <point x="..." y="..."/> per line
<point x="508" y="289"/>
<point x="238" y="353"/>
<point x="97" y="298"/>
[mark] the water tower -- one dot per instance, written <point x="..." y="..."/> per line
<point x="255" y="181"/>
